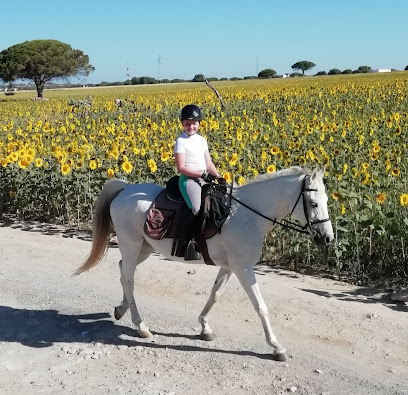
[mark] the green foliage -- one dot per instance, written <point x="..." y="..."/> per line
<point x="347" y="71"/>
<point x="199" y="78"/>
<point x="42" y="61"/>
<point x="267" y="73"/>
<point x="147" y="80"/>
<point x="334" y="72"/>
<point x="303" y="65"/>
<point x="364" y="69"/>
<point x="135" y="81"/>
<point x="322" y="73"/>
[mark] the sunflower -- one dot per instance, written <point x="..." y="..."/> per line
<point x="38" y="162"/>
<point x="165" y="156"/>
<point x="227" y="176"/>
<point x="366" y="179"/>
<point x="111" y="173"/>
<point x="395" y="172"/>
<point x="275" y="150"/>
<point x="376" y="147"/>
<point x="336" y="196"/>
<point x="152" y="165"/>
<point x="93" y="164"/>
<point x="12" y="194"/>
<point x="22" y="163"/>
<point x="241" y="180"/>
<point x="404" y="199"/>
<point x="127" y="167"/>
<point x="271" y="168"/>
<point x="234" y="159"/>
<point x="65" y="169"/>
<point x="381" y="197"/>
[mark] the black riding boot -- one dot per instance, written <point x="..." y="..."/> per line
<point x="186" y="245"/>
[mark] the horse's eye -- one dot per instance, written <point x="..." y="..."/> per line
<point x="313" y="204"/>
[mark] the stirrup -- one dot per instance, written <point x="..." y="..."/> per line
<point x="192" y="251"/>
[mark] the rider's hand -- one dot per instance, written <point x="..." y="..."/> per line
<point x="207" y="177"/>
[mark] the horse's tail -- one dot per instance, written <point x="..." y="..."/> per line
<point x="101" y="224"/>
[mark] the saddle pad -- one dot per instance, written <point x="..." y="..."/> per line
<point x="165" y="219"/>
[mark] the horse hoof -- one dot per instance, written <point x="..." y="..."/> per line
<point x="144" y="334"/>
<point x="279" y="356"/>
<point x="208" y="337"/>
<point x="117" y="314"/>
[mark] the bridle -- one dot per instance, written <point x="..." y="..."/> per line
<point x="307" y="228"/>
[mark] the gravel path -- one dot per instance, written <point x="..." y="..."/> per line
<point x="58" y="336"/>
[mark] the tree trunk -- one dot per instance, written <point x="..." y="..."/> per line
<point x="40" y="89"/>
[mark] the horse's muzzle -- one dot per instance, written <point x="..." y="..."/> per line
<point x="322" y="240"/>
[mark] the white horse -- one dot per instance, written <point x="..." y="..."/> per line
<point x="256" y="208"/>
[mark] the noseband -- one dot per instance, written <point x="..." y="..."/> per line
<point x="309" y="223"/>
<point x="307" y="228"/>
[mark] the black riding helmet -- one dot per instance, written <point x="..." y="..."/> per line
<point x="191" y="112"/>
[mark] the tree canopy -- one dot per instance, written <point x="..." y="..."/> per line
<point x="41" y="61"/>
<point x="364" y="69"/>
<point x="199" y="78"/>
<point x="267" y="73"/>
<point x="334" y="71"/>
<point x="303" y="65"/>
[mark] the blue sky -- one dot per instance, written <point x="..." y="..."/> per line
<point x="214" y="38"/>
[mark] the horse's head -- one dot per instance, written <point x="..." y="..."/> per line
<point x="311" y="208"/>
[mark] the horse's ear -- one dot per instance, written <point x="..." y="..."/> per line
<point x="313" y="175"/>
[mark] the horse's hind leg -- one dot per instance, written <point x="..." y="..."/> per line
<point x="218" y="288"/>
<point x="123" y="307"/>
<point x="132" y="254"/>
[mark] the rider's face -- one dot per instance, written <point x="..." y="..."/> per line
<point x="190" y="127"/>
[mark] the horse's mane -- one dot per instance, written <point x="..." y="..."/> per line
<point x="291" y="171"/>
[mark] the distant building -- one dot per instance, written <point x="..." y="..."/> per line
<point x="381" y="71"/>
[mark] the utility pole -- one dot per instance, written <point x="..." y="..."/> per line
<point x="159" y="63"/>
<point x="257" y="72"/>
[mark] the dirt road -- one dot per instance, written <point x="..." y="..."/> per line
<point x="58" y="336"/>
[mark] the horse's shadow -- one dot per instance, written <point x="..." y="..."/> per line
<point x="44" y="328"/>
<point x="362" y="295"/>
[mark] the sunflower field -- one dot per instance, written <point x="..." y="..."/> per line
<point x="56" y="154"/>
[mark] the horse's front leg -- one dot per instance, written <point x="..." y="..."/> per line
<point x="218" y="288"/>
<point x="246" y="277"/>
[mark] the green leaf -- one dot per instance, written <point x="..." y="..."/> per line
<point x="342" y="229"/>
<point x="366" y="223"/>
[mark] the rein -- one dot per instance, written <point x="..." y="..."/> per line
<point x="287" y="224"/>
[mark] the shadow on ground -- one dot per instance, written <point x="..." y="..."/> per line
<point x="48" y="229"/>
<point x="362" y="295"/>
<point x="359" y="294"/>
<point x="43" y="328"/>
